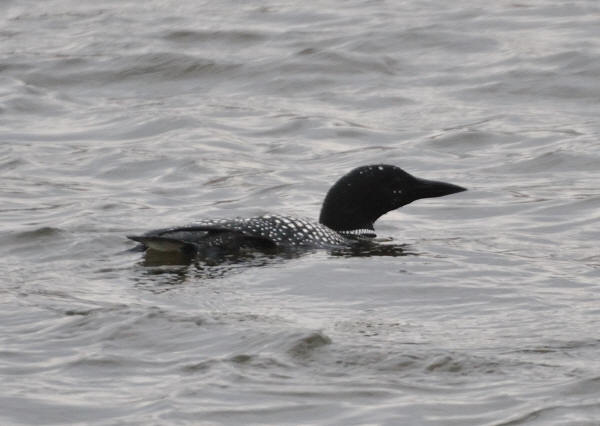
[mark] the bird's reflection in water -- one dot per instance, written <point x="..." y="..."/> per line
<point x="178" y="268"/>
<point x="377" y="248"/>
<point x="181" y="266"/>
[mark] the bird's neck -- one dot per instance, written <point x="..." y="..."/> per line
<point x="342" y="217"/>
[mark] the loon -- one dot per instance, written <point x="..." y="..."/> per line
<point x="351" y="207"/>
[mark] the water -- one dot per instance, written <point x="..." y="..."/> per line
<point x="120" y="117"/>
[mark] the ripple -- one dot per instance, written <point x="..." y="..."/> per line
<point x="40" y="233"/>
<point x="304" y="346"/>
<point x="163" y="65"/>
<point x="224" y="37"/>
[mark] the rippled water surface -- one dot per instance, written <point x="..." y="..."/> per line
<point x="120" y="117"/>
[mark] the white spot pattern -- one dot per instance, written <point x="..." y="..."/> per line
<point x="282" y="230"/>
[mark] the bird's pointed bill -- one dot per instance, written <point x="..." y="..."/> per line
<point x="430" y="188"/>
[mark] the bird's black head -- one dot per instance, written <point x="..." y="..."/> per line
<point x="360" y="197"/>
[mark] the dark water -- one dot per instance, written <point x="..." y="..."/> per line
<point x="119" y="117"/>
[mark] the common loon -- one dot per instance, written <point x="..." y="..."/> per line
<point x="349" y="210"/>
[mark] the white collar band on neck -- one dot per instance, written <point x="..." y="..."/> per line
<point x="359" y="232"/>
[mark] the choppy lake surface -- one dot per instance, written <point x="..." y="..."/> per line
<point x="119" y="117"/>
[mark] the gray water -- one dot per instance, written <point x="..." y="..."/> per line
<point x="117" y="117"/>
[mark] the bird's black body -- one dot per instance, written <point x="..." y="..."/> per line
<point x="349" y="211"/>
